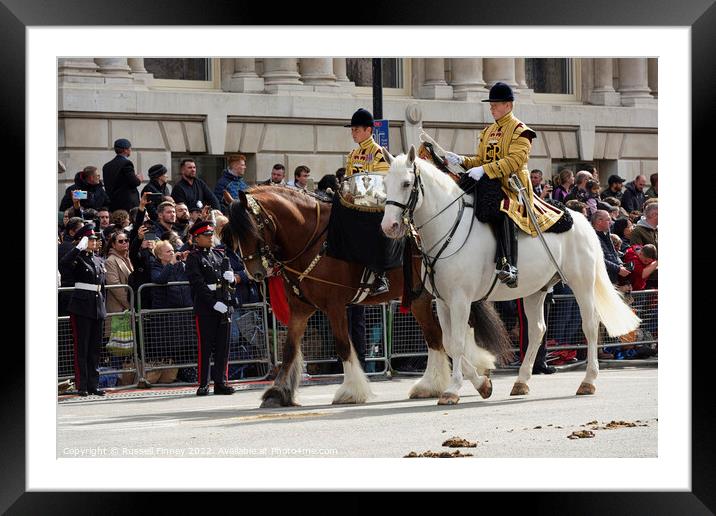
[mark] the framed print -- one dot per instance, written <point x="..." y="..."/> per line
<point x="558" y="56"/>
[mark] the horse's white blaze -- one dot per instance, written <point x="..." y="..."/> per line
<point x="435" y="378"/>
<point x="466" y="273"/>
<point x="355" y="387"/>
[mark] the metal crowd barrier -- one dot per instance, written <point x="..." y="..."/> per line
<point x="408" y="349"/>
<point x="168" y="342"/>
<point x="116" y="369"/>
<point x="319" y="346"/>
<point x="164" y="342"/>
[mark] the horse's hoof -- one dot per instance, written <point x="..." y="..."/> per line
<point x="418" y="393"/>
<point x="448" y="399"/>
<point x="271" y="403"/>
<point x="486" y="389"/>
<point x="520" y="389"/>
<point x="586" y="388"/>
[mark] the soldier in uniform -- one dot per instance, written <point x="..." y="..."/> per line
<point x="503" y="150"/>
<point x="211" y="280"/>
<point x="86" y="307"/>
<point x="368" y="157"/>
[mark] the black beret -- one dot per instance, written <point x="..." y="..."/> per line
<point x="157" y="170"/>
<point x="500" y="92"/>
<point x="361" y="118"/>
<point x="122" y="143"/>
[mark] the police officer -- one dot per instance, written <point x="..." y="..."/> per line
<point x="503" y="150"/>
<point x="211" y="280"/>
<point x="86" y="307"/>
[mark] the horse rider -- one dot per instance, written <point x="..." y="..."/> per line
<point x="210" y="278"/>
<point x="503" y="150"/>
<point x="368" y="157"/>
<point x="86" y="307"/>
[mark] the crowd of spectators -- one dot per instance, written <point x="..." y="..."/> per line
<point x="145" y="238"/>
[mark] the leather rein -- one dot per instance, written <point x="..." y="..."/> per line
<point x="407" y="216"/>
<point x="266" y="222"/>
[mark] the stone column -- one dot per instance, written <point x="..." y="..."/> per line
<point x="435" y="86"/>
<point x="467" y="80"/>
<point x="342" y="80"/>
<point x="245" y="79"/>
<point x="523" y="92"/>
<point x="500" y="70"/>
<point x="76" y="71"/>
<point x="603" y="93"/>
<point x="115" y="70"/>
<point x="282" y="75"/>
<point x="634" y="82"/>
<point x="140" y="74"/>
<point x="654" y="77"/>
<point x="318" y="72"/>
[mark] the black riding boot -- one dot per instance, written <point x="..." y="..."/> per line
<point x="380" y="284"/>
<point x="506" y="251"/>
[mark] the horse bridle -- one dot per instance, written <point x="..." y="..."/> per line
<point x="408" y="216"/>
<point x="265" y="253"/>
<point x="409" y="207"/>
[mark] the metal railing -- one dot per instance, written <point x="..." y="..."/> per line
<point x="168" y="342"/>
<point x="319" y="346"/>
<point x="116" y="368"/>
<point x="164" y="341"/>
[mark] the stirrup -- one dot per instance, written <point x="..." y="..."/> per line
<point x="508" y="275"/>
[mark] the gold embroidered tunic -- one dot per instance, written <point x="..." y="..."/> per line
<point x="503" y="149"/>
<point x="368" y="157"/>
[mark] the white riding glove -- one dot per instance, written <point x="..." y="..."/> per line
<point x="229" y="276"/>
<point x="453" y="158"/>
<point x="221" y="307"/>
<point x="83" y="244"/>
<point x="476" y="173"/>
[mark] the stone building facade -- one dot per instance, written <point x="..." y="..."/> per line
<point x="292" y="111"/>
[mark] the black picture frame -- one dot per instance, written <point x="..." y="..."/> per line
<point x="700" y="16"/>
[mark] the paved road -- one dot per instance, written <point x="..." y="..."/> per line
<point x="175" y="422"/>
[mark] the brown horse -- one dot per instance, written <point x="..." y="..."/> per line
<point x="283" y="229"/>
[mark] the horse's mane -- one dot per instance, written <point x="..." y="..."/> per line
<point x="240" y="223"/>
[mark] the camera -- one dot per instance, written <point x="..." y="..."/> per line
<point x="629" y="266"/>
<point x="150" y="235"/>
<point x="79" y="194"/>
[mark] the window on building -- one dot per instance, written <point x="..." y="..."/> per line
<point x="194" y="73"/>
<point x="553" y="76"/>
<point x="360" y="71"/>
<point x="191" y="69"/>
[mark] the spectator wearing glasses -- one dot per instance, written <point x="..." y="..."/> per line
<point x="119" y="267"/>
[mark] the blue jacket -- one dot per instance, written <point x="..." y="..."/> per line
<point x="175" y="296"/>
<point x="611" y="258"/>
<point x="232" y="184"/>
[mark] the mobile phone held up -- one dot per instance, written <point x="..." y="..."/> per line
<point x="150" y="235"/>
<point x="155" y="198"/>
<point x="79" y="194"/>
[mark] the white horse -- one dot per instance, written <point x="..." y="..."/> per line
<point x="417" y="190"/>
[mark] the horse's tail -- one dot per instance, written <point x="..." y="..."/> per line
<point x="615" y="314"/>
<point x="490" y="331"/>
